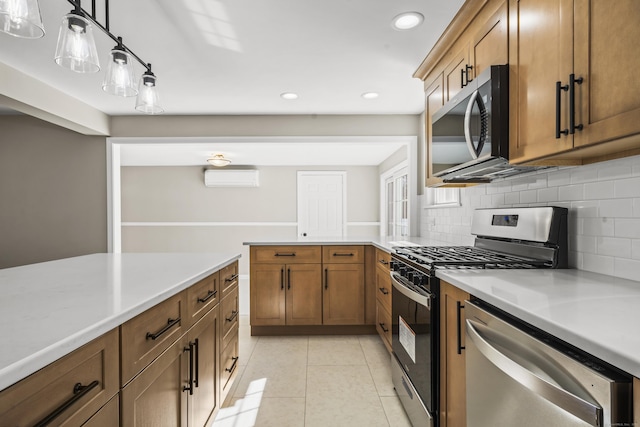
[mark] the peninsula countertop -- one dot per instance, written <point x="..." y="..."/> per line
<point x="384" y="243"/>
<point x="596" y="313"/>
<point x="52" y="308"/>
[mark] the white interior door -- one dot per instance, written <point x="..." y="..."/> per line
<point x="321" y="203"/>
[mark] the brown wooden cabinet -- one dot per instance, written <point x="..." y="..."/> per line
<point x="69" y="391"/>
<point x="107" y="416"/>
<point x="383" y="296"/>
<point x="286" y="294"/>
<point x="452" y="356"/>
<point x="343" y="295"/>
<point x="157" y="396"/>
<point x="573" y="38"/>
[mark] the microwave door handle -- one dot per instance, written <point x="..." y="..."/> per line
<point x="586" y="411"/>
<point x="467" y="125"/>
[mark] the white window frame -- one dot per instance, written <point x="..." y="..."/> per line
<point x="442" y="197"/>
<point x="400" y="169"/>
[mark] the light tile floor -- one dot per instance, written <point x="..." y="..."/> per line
<point x="312" y="381"/>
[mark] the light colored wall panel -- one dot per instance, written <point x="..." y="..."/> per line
<point x="266" y="125"/>
<point x="52" y="192"/>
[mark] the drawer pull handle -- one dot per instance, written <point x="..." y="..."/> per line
<point x="234" y="314"/>
<point x="385" y="291"/>
<point x="287" y="254"/>
<point x="383" y="262"/>
<point x="231" y="279"/>
<point x="208" y="296"/>
<point x="342" y="254"/>
<point x="197" y="346"/>
<point x="385" y="330"/>
<point x="170" y="323"/>
<point x="233" y="365"/>
<point x="79" y="391"/>
<point x="189" y="387"/>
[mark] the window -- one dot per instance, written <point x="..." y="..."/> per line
<point x="443" y="197"/>
<point x="397" y="203"/>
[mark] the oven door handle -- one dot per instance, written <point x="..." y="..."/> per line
<point x="412" y="295"/>
<point x="586" y="411"/>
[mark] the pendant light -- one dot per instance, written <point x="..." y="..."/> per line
<point x="120" y="80"/>
<point x="148" y="101"/>
<point x="76" y="49"/>
<point x="21" y="18"/>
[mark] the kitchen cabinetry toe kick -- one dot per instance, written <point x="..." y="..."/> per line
<point x="314" y="330"/>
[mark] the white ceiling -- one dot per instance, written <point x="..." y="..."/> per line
<point x="280" y="151"/>
<point x="236" y="57"/>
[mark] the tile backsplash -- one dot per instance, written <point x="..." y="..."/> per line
<point x="604" y="212"/>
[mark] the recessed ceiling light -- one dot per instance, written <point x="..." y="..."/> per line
<point x="370" y="95"/>
<point x="407" y="21"/>
<point x="289" y="95"/>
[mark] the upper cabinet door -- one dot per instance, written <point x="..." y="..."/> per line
<point x="540" y="54"/>
<point x="490" y="45"/>
<point x="434" y="99"/>
<point x="606" y="57"/>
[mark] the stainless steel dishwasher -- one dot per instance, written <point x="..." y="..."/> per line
<point x="520" y="376"/>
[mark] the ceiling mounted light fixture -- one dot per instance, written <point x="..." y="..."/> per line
<point x="76" y="48"/>
<point x="120" y="79"/>
<point x="289" y="95"/>
<point x="406" y="21"/>
<point x="370" y="95"/>
<point x="218" y="160"/>
<point x="21" y="18"/>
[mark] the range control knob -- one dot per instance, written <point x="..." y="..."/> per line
<point x="410" y="276"/>
<point x="418" y="279"/>
<point x="394" y="266"/>
<point x="403" y="271"/>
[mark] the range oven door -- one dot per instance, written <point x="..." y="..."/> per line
<point x="414" y="338"/>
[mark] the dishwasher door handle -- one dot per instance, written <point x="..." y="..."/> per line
<point x="586" y="411"/>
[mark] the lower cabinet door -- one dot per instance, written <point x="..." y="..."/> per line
<point x="383" y="324"/>
<point x="203" y="338"/>
<point x="343" y="299"/>
<point x="158" y="396"/>
<point x="107" y="416"/>
<point x="304" y="294"/>
<point x="228" y="367"/>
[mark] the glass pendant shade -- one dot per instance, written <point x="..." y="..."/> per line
<point x="120" y="78"/>
<point x="219" y="160"/>
<point x="21" y="18"/>
<point x="76" y="49"/>
<point x="148" y="101"/>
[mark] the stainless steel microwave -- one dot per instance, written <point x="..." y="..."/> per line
<point x="470" y="133"/>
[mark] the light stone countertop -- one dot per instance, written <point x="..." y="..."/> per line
<point x="52" y="308"/>
<point x="384" y="243"/>
<point x="596" y="313"/>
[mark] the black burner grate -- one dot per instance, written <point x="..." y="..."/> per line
<point x="452" y="257"/>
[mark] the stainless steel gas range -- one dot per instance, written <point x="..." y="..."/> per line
<point x="533" y="237"/>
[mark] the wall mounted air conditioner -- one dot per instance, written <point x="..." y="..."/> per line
<point x="231" y="178"/>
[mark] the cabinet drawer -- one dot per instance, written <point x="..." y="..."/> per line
<point x="202" y="296"/>
<point x="383" y="288"/>
<point x="147" y="335"/>
<point x="383" y="260"/>
<point x="341" y="254"/>
<point x="229" y="316"/>
<point x="286" y="254"/>
<point x="229" y="278"/>
<point x="383" y="323"/>
<point x="229" y="364"/>
<point x="47" y="392"/>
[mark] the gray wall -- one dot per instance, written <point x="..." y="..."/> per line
<point x="52" y="192"/>
<point x="178" y="194"/>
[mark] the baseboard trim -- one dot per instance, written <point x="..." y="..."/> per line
<point x="314" y="330"/>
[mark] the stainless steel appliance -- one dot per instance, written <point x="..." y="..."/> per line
<point x="505" y="238"/>
<point x="470" y="133"/>
<point x="520" y="376"/>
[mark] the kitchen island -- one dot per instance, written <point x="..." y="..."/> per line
<point x="98" y="309"/>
